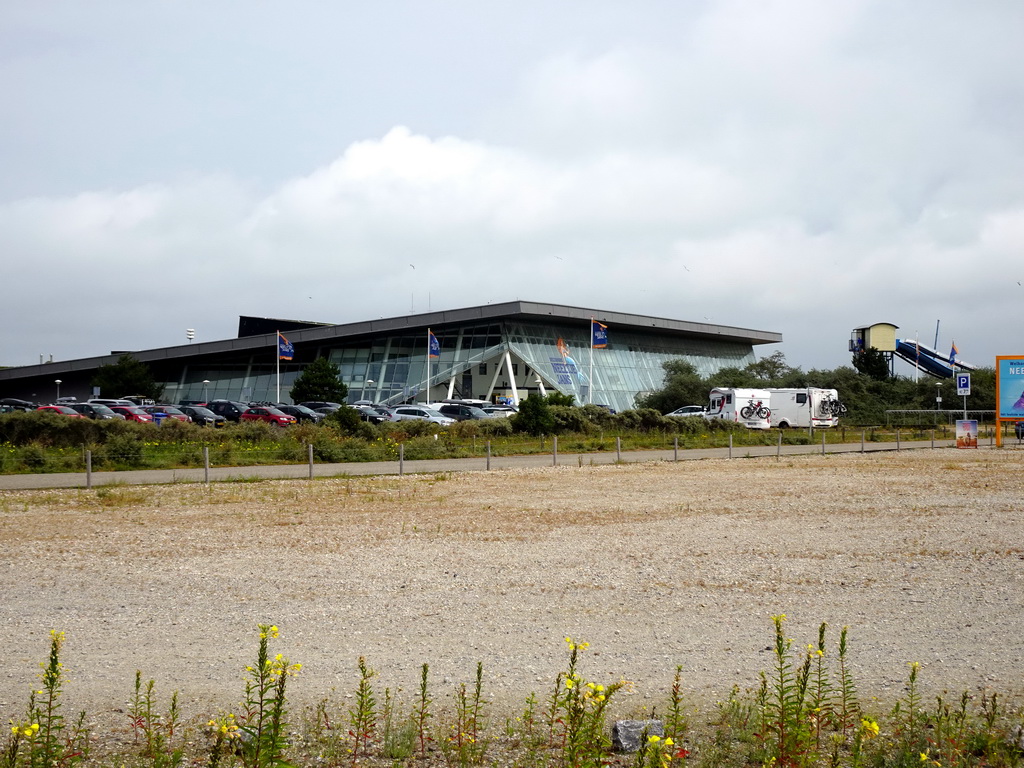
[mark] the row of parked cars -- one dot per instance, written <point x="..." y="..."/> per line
<point x="216" y="413"/>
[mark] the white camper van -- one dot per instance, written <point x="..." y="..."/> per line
<point x="806" y="407"/>
<point x="750" y="407"/>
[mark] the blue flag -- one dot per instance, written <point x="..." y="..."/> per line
<point x="433" y="348"/>
<point x="953" y="353"/>
<point x="598" y="335"/>
<point x="285" y="350"/>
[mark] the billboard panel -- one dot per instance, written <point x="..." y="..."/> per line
<point x="1010" y="386"/>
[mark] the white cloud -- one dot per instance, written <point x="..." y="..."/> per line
<point x="789" y="166"/>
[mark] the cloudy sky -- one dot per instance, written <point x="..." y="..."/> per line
<point x="801" y="166"/>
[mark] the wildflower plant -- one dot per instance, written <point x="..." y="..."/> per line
<point x="362" y="717"/>
<point x="41" y="740"/>
<point x="466" y="744"/>
<point x="262" y="725"/>
<point x="579" y="709"/>
<point x="157" y="729"/>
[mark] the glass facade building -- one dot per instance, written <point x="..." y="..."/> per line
<point x="501" y="352"/>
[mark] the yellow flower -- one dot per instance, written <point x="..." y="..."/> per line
<point x="868" y="727"/>
<point x="569" y="682"/>
<point x="653" y="739"/>
<point x="35" y="727"/>
<point x="669" y="742"/>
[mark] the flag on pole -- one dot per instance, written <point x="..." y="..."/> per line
<point x="598" y="335"/>
<point x="433" y="348"/>
<point x="953" y="352"/>
<point x="285" y="350"/>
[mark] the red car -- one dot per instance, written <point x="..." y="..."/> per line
<point x="269" y="415"/>
<point x="168" y="410"/>
<point x="132" y="413"/>
<point x="63" y="410"/>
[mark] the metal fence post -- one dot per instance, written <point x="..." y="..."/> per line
<point x="206" y="464"/>
<point x="862" y="433"/>
<point x="401" y="459"/>
<point x="88" y="469"/>
<point x="933" y="438"/>
<point x="309" y="451"/>
<point x="554" y="450"/>
<point x="823" y="442"/>
<point x="675" y="448"/>
<point x="778" y="449"/>
<point x="730" y="445"/>
<point x="488" y="454"/>
<point x="618" y="449"/>
<point x="897" y="438"/>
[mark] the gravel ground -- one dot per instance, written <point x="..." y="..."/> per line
<point x="921" y="554"/>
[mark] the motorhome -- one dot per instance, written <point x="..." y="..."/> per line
<point x="806" y="407"/>
<point x="750" y="407"/>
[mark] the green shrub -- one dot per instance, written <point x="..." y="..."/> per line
<point x="569" y="420"/>
<point x="123" y="450"/>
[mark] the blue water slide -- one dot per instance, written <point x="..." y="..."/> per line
<point x="928" y="359"/>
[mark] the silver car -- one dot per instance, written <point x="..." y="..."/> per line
<point x="421" y="413"/>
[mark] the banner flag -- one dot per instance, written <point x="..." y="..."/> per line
<point x="285" y="350"/>
<point x="433" y="347"/>
<point x="598" y="334"/>
<point x="953" y="352"/>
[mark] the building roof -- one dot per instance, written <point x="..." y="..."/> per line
<point x="524" y="310"/>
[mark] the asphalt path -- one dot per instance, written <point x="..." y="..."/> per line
<point x="568" y="459"/>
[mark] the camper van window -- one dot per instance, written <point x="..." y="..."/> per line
<point x="801" y="398"/>
<point x="728" y="398"/>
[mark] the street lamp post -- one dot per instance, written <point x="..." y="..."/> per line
<point x="206" y="383"/>
<point x="57" y="382"/>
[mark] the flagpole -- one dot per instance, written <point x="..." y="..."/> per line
<point x="590" y="389"/>
<point x="428" y="368"/>
<point x="277" y="357"/>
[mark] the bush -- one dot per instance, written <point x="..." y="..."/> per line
<point x="570" y="420"/>
<point x="534" y="417"/>
<point x="123" y="450"/>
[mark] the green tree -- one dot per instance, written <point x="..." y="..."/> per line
<point x="128" y="376"/>
<point x="683" y="386"/>
<point x="558" y="398"/>
<point x="320" y="381"/>
<point x="871" y="362"/>
<point x="770" y="370"/>
<point x="534" y="417"/>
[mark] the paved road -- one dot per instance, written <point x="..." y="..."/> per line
<point x="193" y="475"/>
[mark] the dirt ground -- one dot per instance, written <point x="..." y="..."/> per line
<point x="921" y="554"/>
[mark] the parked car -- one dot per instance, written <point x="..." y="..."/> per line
<point x="168" y="411"/>
<point x="132" y="413"/>
<point x="139" y="399"/>
<point x="318" y="405"/>
<point x="231" y="410"/>
<point x="422" y="413"/>
<point x="63" y="410"/>
<point x="689" y="410"/>
<point x="202" y="416"/>
<point x="191" y="402"/>
<point x="18" y="405"/>
<point x="500" y="410"/>
<point x="461" y="412"/>
<point x="110" y="402"/>
<point x="301" y="413"/>
<point x="370" y="414"/>
<point x="95" y="411"/>
<point x="268" y="414"/>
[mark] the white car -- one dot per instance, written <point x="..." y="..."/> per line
<point x="689" y="410"/>
<point x="421" y="413"/>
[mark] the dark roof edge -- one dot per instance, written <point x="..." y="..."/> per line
<point x="486" y="312"/>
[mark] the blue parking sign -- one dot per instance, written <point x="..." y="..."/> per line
<point x="963" y="384"/>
